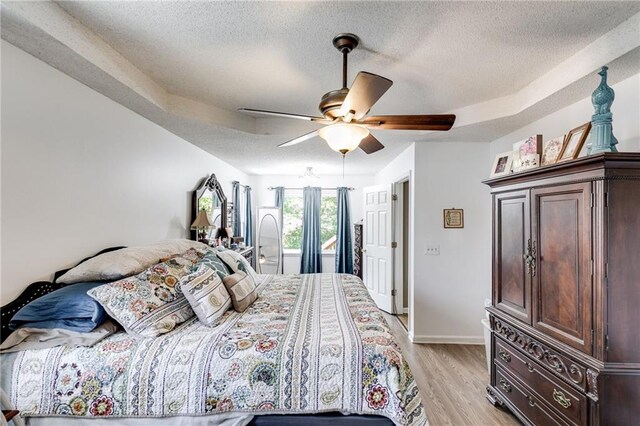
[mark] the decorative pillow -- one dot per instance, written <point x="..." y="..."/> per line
<point x="213" y="261"/>
<point x="151" y="303"/>
<point x="206" y="294"/>
<point x="237" y="263"/>
<point x="26" y="338"/>
<point x="242" y="288"/>
<point x="69" y="308"/>
<point x="126" y="262"/>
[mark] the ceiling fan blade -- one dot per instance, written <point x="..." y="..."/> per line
<point x="299" y="139"/>
<point x="441" y="122"/>
<point x="367" y="88"/>
<point x="370" y="144"/>
<point x="285" y="115"/>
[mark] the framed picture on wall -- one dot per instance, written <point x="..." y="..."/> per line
<point x="502" y="164"/>
<point x="453" y="218"/>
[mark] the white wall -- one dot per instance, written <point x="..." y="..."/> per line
<point x="446" y="291"/>
<point x="264" y="197"/>
<point x="626" y="120"/>
<point x="81" y="173"/>
<point x="449" y="289"/>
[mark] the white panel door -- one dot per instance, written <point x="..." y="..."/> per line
<point x="376" y="242"/>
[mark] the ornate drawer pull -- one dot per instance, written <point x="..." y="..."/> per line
<point x="530" y="258"/>
<point x="530" y="367"/>
<point x="532" y="402"/>
<point x="504" y="355"/>
<point x="561" y="399"/>
<point x="505" y="385"/>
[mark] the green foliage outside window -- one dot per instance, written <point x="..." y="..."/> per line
<point x="292" y="221"/>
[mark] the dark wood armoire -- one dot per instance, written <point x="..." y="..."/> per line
<point x="566" y="292"/>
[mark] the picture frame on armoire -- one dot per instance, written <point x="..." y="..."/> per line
<point x="502" y="164"/>
<point x="574" y="141"/>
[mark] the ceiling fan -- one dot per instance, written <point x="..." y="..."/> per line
<point x="345" y="110"/>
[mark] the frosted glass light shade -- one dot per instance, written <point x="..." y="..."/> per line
<point x="343" y="137"/>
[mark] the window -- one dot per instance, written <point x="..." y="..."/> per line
<point x="292" y="222"/>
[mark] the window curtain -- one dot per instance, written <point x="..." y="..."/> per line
<point x="311" y="260"/>
<point x="235" y="198"/>
<point x="344" y="247"/>
<point x="248" y="220"/>
<point x="279" y="195"/>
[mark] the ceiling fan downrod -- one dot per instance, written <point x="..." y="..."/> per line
<point x="345" y="43"/>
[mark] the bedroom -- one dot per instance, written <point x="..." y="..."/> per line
<point x="112" y="112"/>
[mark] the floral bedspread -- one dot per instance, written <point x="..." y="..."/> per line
<point x="309" y="344"/>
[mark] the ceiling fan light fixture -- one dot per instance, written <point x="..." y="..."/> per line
<point x="343" y="137"/>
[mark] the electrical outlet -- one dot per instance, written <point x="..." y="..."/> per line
<point x="432" y="249"/>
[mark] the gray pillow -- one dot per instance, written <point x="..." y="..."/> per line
<point x="242" y="288"/>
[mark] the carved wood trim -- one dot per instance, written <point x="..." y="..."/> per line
<point x="592" y="384"/>
<point x="561" y="365"/>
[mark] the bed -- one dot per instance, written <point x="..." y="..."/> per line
<point x="312" y="348"/>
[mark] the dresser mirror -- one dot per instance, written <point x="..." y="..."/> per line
<point x="210" y="197"/>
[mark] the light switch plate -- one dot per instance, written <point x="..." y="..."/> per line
<point x="432" y="249"/>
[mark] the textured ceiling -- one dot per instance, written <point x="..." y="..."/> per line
<point x="441" y="56"/>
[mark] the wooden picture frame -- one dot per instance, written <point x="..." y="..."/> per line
<point x="502" y="164"/>
<point x="574" y="141"/>
<point x="453" y="218"/>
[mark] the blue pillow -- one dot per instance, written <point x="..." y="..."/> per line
<point x="70" y="308"/>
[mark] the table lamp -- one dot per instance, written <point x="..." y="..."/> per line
<point x="201" y="224"/>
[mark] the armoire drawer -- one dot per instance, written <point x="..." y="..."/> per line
<point x="556" y="362"/>
<point x="565" y="400"/>
<point x="526" y="401"/>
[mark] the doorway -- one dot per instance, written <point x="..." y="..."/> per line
<point x="401" y="258"/>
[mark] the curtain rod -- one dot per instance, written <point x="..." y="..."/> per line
<point x="271" y="188"/>
<point x="239" y="184"/>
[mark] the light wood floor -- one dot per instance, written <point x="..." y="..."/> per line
<point x="452" y="381"/>
<point x="404" y="319"/>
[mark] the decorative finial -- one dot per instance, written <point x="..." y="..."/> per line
<point x="602" y="139"/>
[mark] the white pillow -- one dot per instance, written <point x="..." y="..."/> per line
<point x="237" y="263"/>
<point x="126" y="262"/>
<point x="206" y="294"/>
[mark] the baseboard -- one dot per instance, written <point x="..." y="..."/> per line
<point x="454" y="340"/>
<point x="405" y="311"/>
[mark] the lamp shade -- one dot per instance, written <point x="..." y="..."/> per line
<point x="343" y="137"/>
<point x="202" y="220"/>
<point x="221" y="233"/>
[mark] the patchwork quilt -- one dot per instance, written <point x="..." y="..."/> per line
<point x="308" y="344"/>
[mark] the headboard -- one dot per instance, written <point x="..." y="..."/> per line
<point x="34" y="291"/>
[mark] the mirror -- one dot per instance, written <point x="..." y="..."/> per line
<point x="269" y="253"/>
<point x="210" y="197"/>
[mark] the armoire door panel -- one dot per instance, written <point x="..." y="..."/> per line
<point x="512" y="286"/>
<point x="561" y="224"/>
